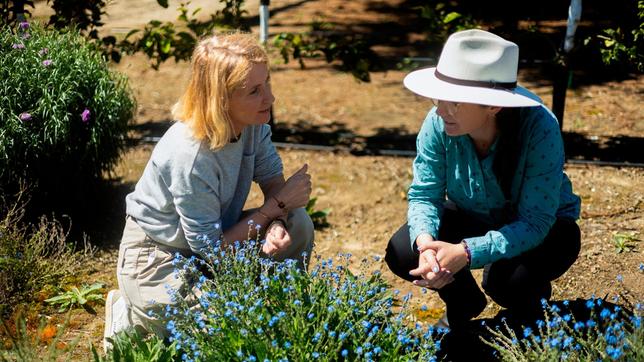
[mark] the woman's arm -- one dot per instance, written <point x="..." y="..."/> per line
<point x="427" y="191"/>
<point x="541" y="178"/>
<point x="280" y="197"/>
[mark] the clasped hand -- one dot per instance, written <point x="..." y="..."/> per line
<point x="295" y="193"/>
<point x="277" y="239"/>
<point x="438" y="262"/>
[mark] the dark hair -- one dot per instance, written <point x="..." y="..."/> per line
<point x="508" y="123"/>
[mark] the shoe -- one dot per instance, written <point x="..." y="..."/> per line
<point x="115" y="316"/>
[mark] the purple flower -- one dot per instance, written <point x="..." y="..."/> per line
<point x="24" y="116"/>
<point x="18" y="46"/>
<point x="47" y="62"/>
<point x="26" y="36"/>
<point x="24" y="25"/>
<point x="43" y="51"/>
<point x="85" y="115"/>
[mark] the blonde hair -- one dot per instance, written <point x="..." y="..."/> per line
<point x="220" y="64"/>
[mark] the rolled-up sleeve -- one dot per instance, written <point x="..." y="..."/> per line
<point x="268" y="163"/>
<point x="426" y="193"/>
<point x="538" y="199"/>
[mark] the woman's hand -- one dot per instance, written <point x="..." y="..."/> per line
<point x="433" y="275"/>
<point x="277" y="239"/>
<point x="297" y="189"/>
<point x="452" y="257"/>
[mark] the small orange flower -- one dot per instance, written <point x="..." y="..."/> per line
<point x="48" y="333"/>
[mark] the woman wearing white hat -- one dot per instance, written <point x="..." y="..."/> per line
<point x="489" y="189"/>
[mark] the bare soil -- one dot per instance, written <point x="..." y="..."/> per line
<point x="366" y="194"/>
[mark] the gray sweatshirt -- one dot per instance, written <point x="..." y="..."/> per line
<point x="188" y="192"/>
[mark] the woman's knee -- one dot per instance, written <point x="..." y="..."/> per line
<point x="300" y="227"/>
<point x="399" y="255"/>
<point x="514" y="287"/>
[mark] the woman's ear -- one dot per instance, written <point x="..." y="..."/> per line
<point x="494" y="110"/>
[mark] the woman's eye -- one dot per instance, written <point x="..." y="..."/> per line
<point x="254" y="91"/>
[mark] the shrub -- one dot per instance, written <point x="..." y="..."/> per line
<point x="622" y="46"/>
<point x="322" y="41"/>
<point x="609" y="334"/>
<point x="251" y="308"/>
<point x="31" y="260"/>
<point x="64" y="114"/>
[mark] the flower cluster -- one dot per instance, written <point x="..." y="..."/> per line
<point x="610" y="333"/>
<point x="240" y="306"/>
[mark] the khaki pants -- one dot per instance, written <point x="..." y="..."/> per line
<point x="145" y="272"/>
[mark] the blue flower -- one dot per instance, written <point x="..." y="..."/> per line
<point x="344" y="353"/>
<point x="527" y="332"/>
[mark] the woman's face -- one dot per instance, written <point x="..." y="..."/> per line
<point x="466" y="118"/>
<point x="251" y="103"/>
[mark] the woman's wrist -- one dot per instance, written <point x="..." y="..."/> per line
<point x="271" y="209"/>
<point x="468" y="253"/>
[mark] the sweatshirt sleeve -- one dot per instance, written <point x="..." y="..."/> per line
<point x="268" y="163"/>
<point x="426" y="194"/>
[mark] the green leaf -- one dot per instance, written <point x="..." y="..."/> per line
<point x="163" y="3"/>
<point x="451" y="17"/>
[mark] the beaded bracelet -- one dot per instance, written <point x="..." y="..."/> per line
<point x="468" y="252"/>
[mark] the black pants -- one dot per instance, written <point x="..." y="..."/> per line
<point x="518" y="283"/>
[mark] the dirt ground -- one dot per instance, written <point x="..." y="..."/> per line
<point x="366" y="194"/>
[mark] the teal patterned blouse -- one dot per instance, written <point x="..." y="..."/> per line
<point x="447" y="166"/>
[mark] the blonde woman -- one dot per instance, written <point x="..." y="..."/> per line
<point x="198" y="178"/>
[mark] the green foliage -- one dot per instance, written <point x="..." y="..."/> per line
<point x="442" y="19"/>
<point x="609" y="334"/>
<point x="31" y="260"/>
<point x="322" y="40"/>
<point x="624" y="242"/>
<point x="24" y="346"/>
<point x="64" y="115"/>
<point x="84" y="15"/>
<point x="317" y="216"/>
<point x="132" y="346"/>
<point x="84" y="297"/>
<point x="624" y="46"/>
<point x="162" y="41"/>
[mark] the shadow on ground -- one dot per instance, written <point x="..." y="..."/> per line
<point x="96" y="212"/>
<point x="399" y="142"/>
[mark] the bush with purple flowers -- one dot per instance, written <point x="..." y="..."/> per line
<point x="610" y="334"/>
<point x="64" y="115"/>
<point x="247" y="308"/>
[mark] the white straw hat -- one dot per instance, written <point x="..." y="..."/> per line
<point x="475" y="66"/>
